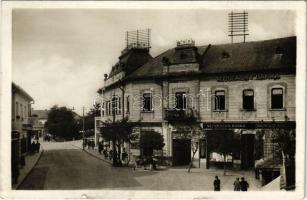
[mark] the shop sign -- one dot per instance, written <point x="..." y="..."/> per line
<point x="249" y="125"/>
<point x="181" y="135"/>
<point x="246" y="77"/>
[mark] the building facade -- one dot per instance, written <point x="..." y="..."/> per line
<point x="21" y="124"/>
<point x="245" y="88"/>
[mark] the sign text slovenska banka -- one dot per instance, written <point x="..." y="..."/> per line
<point x="246" y="77"/>
<point x="249" y="125"/>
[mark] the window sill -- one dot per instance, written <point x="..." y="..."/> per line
<point x="248" y="110"/>
<point x="147" y="111"/>
<point x="277" y="109"/>
<point x="220" y="111"/>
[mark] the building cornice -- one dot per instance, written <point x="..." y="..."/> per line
<point x="185" y="76"/>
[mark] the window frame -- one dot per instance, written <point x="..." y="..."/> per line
<point x="243" y="104"/>
<point x="215" y="100"/>
<point x="282" y="98"/>
<point x="17" y="109"/>
<point x="184" y="100"/>
<point x="150" y="102"/>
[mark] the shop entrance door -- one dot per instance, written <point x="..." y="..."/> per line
<point x="247" y="151"/>
<point x="181" y="152"/>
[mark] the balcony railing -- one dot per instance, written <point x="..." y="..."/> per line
<point x="180" y="115"/>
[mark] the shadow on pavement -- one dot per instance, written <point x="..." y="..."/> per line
<point x="38" y="178"/>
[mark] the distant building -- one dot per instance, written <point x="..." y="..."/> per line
<point x="21" y="123"/>
<point x="39" y="119"/>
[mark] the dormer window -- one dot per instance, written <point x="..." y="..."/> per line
<point x="279" y="50"/>
<point x="225" y="54"/>
<point x="165" y="61"/>
<point x="183" y="55"/>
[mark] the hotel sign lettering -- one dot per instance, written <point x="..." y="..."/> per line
<point x="249" y="125"/>
<point x="246" y="77"/>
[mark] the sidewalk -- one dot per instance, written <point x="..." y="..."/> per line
<point x="227" y="180"/>
<point x="31" y="161"/>
<point x="93" y="152"/>
<point x="202" y="173"/>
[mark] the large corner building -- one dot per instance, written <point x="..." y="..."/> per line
<point x="247" y="88"/>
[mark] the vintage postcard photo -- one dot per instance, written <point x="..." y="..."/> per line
<point x="153" y="100"/>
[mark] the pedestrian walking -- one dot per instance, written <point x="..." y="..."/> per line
<point x="135" y="163"/>
<point x="38" y="145"/>
<point x="217" y="184"/>
<point x="244" y="184"/>
<point x="84" y="144"/>
<point x="105" y="153"/>
<point x="124" y="156"/>
<point x="33" y="147"/>
<point x="110" y="154"/>
<point x="237" y="185"/>
<point x="100" y="147"/>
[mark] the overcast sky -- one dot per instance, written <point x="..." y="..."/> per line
<point x="60" y="56"/>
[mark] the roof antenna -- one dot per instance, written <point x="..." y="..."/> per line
<point x="138" y="39"/>
<point x="238" y="25"/>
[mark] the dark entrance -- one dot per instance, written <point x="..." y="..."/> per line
<point x="181" y="151"/>
<point x="247" y="151"/>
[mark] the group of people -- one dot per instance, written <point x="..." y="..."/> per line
<point x="47" y="138"/>
<point x="35" y="146"/>
<point x="110" y="154"/>
<point x="89" y="143"/>
<point x="238" y="185"/>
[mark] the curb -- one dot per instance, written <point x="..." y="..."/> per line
<point x="93" y="155"/>
<point x="20" y="182"/>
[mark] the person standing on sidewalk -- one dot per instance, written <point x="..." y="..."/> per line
<point x="217" y="184"/>
<point x="38" y="145"/>
<point x="100" y="147"/>
<point x="237" y="185"/>
<point x="244" y="185"/>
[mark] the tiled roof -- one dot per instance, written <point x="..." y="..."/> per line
<point x="130" y="61"/>
<point x="275" y="54"/>
<point x="17" y="88"/>
<point x="42" y="114"/>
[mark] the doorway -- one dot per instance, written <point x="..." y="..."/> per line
<point x="247" y="151"/>
<point x="181" y="152"/>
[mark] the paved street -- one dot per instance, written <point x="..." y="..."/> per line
<point x="64" y="166"/>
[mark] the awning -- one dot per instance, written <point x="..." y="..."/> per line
<point x="269" y="163"/>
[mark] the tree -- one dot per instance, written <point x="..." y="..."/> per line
<point x="286" y="141"/>
<point x="118" y="132"/>
<point x="221" y="141"/>
<point x="187" y="118"/>
<point x="61" y="123"/>
<point x="149" y="141"/>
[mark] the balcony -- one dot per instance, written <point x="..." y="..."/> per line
<point x="180" y="116"/>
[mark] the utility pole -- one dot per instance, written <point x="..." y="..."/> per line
<point x="83" y="127"/>
<point x="113" y="142"/>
